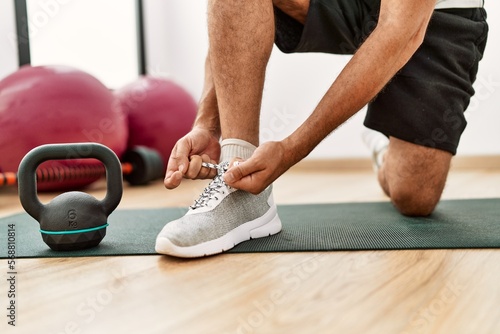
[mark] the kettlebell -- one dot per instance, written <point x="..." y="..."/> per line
<point x="73" y="220"/>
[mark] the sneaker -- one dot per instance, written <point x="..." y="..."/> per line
<point x="219" y="219"/>
<point x="377" y="143"/>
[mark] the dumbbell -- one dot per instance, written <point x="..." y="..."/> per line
<point x="140" y="165"/>
<point x="73" y="220"/>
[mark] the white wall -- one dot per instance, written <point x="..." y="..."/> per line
<point x="8" y="47"/>
<point x="70" y="32"/>
<point x="295" y="83"/>
<point x="482" y="135"/>
<point x="177" y="43"/>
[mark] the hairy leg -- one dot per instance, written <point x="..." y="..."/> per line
<point x="241" y="35"/>
<point x="414" y="176"/>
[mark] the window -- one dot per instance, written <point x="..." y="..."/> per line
<point x="101" y="37"/>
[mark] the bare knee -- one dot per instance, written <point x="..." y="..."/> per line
<point x="414" y="176"/>
<point x="415" y="202"/>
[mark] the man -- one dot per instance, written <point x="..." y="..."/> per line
<point x="414" y="64"/>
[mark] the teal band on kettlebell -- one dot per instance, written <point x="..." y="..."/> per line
<point x="76" y="231"/>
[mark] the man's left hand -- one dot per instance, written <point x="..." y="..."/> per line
<point x="265" y="165"/>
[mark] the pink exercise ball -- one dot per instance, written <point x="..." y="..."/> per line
<point x="159" y="112"/>
<point x="57" y="104"/>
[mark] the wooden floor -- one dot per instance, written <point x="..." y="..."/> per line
<point x="423" y="291"/>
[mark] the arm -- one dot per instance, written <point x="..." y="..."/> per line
<point x="208" y="110"/>
<point x="399" y="32"/>
<point x="201" y="143"/>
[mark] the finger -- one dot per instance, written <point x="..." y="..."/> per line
<point x="203" y="171"/>
<point x="173" y="180"/>
<point x="235" y="162"/>
<point x="207" y="172"/>
<point x="194" y="167"/>
<point x="250" y="183"/>
<point x="239" y="171"/>
<point x="176" y="165"/>
<point x="212" y="171"/>
<point x="178" y="160"/>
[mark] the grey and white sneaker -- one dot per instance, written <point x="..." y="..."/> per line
<point x="219" y="219"/>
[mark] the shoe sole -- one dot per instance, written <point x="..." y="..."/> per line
<point x="264" y="226"/>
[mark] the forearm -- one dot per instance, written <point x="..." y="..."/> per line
<point x="208" y="110"/>
<point x="370" y="69"/>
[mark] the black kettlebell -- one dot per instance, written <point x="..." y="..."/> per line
<point x="73" y="220"/>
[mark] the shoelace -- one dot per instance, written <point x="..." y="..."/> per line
<point x="214" y="187"/>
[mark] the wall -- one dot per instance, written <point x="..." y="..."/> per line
<point x="8" y="53"/>
<point x="176" y="47"/>
<point x="70" y="32"/>
<point x="176" y="41"/>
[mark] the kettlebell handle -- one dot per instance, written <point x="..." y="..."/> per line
<point x="29" y="164"/>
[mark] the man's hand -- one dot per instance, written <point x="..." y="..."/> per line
<point x="266" y="164"/>
<point x="199" y="145"/>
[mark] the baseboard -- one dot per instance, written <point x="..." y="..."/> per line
<point x="363" y="164"/>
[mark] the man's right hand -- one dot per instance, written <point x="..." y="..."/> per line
<point x="199" y="145"/>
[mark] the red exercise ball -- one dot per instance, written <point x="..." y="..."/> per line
<point x="57" y="104"/>
<point x="159" y="113"/>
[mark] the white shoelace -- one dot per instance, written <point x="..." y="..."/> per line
<point x="214" y="187"/>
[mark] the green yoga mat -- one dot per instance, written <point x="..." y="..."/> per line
<point x="318" y="227"/>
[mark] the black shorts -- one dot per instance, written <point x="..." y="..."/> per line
<point x="425" y="101"/>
